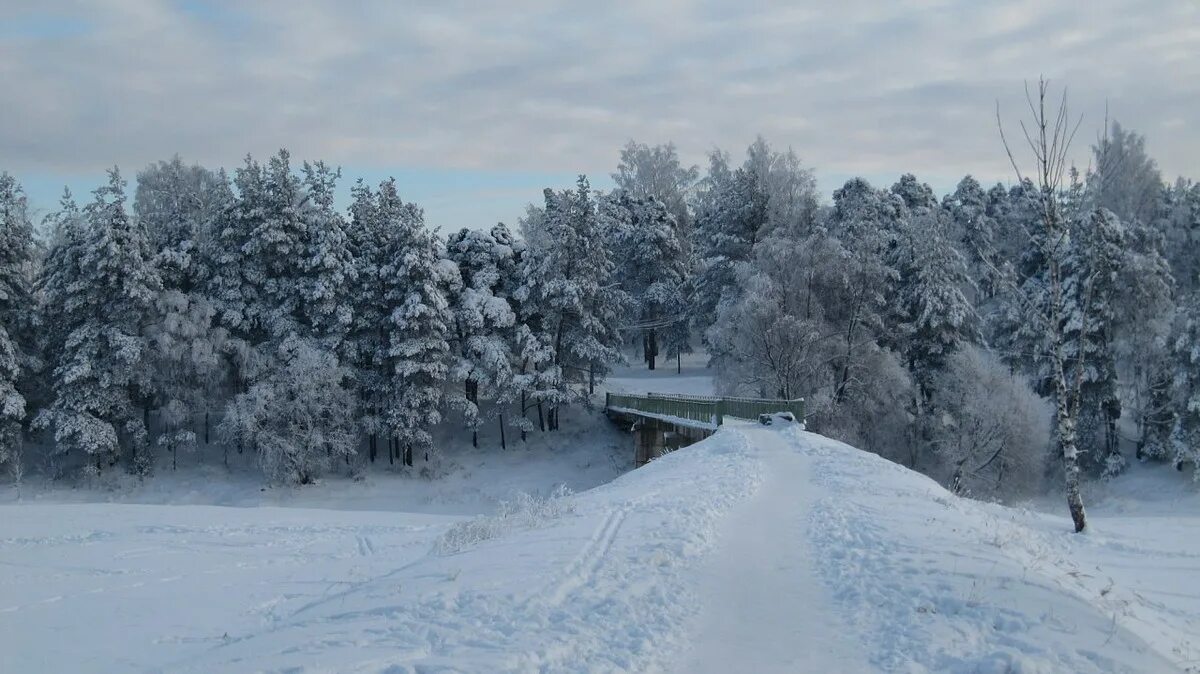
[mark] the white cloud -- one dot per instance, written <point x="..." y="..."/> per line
<point x="854" y="87"/>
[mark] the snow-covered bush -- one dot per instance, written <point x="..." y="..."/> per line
<point x="298" y="417"/>
<point x="523" y="511"/>
<point x="874" y="413"/>
<point x="988" y="429"/>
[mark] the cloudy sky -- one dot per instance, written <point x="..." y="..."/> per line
<point x="474" y="107"/>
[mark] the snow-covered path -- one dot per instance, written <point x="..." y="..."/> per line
<point x="759" y="549"/>
<point x="764" y="607"/>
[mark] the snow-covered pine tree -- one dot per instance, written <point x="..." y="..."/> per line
<point x="58" y="276"/>
<point x="365" y="348"/>
<point x="653" y="270"/>
<point x="107" y="294"/>
<point x="570" y="284"/>
<point x="865" y="221"/>
<point x="1143" y="311"/>
<point x="236" y="282"/>
<point x="1185" y="352"/>
<point x="730" y="218"/>
<point x="297" y="258"/>
<point x="419" y="324"/>
<point x="484" y="321"/>
<point x="282" y="268"/>
<point x="536" y="377"/>
<point x="17" y="315"/>
<point x="934" y="315"/>
<point x="1093" y="271"/>
<point x="1178" y="220"/>
<point x="974" y="235"/>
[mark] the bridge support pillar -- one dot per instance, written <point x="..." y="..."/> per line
<point x="649" y="441"/>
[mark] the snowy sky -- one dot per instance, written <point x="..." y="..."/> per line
<point x="476" y="106"/>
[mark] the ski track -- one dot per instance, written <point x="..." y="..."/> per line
<point x="586" y="566"/>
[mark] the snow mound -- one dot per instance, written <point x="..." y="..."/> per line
<point x="937" y="583"/>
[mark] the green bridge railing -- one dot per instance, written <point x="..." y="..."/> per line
<point x="704" y="409"/>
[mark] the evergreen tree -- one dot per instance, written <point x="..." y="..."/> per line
<point x="1185" y="352"/>
<point x="484" y="320"/>
<point x="365" y="348"/>
<point x="536" y="377"/>
<point x="419" y="324"/>
<point x="1177" y="218"/>
<point x="935" y="316"/>
<point x="653" y="271"/>
<point x="865" y="221"/>
<point x="1093" y="273"/>
<point x="973" y="232"/>
<point x="570" y="283"/>
<point x="730" y="220"/>
<point x="107" y="294"/>
<point x="17" y="314"/>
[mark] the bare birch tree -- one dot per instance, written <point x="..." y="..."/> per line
<point x="1044" y="302"/>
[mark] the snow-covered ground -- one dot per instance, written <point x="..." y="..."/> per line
<point x="761" y="549"/>
<point x="692" y="378"/>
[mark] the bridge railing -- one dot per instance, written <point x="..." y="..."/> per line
<point x="706" y="409"/>
<point x="702" y="411"/>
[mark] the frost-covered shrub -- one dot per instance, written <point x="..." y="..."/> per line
<point x="874" y="413"/>
<point x="988" y="429"/>
<point x="298" y="417"/>
<point x="522" y="512"/>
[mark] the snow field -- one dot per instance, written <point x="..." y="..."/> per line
<point x="601" y="586"/>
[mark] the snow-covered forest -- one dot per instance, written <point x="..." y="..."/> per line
<point x="965" y="335"/>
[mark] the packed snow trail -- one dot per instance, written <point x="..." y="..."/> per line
<point x="764" y="607"/>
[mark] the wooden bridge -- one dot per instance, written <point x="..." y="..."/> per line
<point x="664" y="422"/>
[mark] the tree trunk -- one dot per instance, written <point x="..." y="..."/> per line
<point x="1067" y="443"/>
<point x="1070" y="456"/>
<point x="679" y="363"/>
<point x="541" y="419"/>
<point x="503" y="442"/>
<point x="206" y="426"/>
<point x="524" y="415"/>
